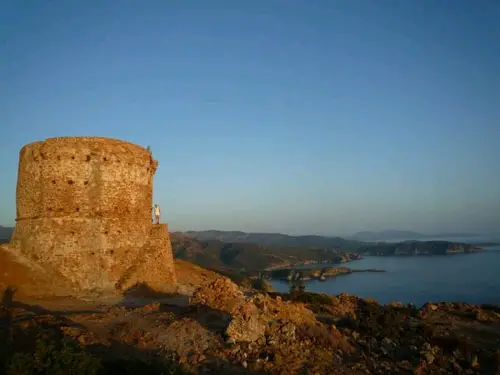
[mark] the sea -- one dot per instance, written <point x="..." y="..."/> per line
<point x="472" y="278"/>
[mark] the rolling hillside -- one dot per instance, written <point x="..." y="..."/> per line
<point x="280" y="240"/>
<point x="251" y="257"/>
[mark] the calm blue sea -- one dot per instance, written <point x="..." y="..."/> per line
<point x="472" y="278"/>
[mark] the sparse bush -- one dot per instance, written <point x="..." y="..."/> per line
<point x="261" y="285"/>
<point x="53" y="359"/>
<point x="246" y="284"/>
<point x="379" y="321"/>
<point x="297" y="286"/>
<point x="312" y="298"/>
<point x="324" y="337"/>
<point x="50" y="358"/>
<point x="317" y="303"/>
<point x="133" y="367"/>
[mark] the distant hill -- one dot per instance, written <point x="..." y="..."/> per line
<point x="5" y="233"/>
<point x="281" y="240"/>
<point x="418" y="248"/>
<point x="392" y="234"/>
<point x="216" y="254"/>
<point x="275" y="244"/>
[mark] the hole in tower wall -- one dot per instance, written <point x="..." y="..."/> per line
<point x="85" y="182"/>
<point x="73" y="157"/>
<point x="53" y="181"/>
<point x="106" y="232"/>
<point x="78" y="209"/>
<point x="70" y="182"/>
<point x="105" y="158"/>
<point x="88" y="158"/>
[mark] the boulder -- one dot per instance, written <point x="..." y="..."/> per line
<point x="221" y="294"/>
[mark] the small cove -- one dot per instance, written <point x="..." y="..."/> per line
<point x="471" y="278"/>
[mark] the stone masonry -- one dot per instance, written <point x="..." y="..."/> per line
<point x="84" y="208"/>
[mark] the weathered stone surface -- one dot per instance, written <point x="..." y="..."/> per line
<point x="247" y="323"/>
<point x="154" y="266"/>
<point x="84" y="208"/>
<point x="28" y="278"/>
<point x="221" y="294"/>
<point x="250" y="317"/>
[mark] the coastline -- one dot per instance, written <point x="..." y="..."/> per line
<point x="417" y="279"/>
<point x="308" y="274"/>
<point x="351" y="257"/>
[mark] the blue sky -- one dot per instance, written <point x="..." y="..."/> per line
<point x="323" y="116"/>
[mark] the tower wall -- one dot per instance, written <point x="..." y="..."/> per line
<point x="84" y="206"/>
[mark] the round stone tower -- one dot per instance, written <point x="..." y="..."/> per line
<point x="84" y="207"/>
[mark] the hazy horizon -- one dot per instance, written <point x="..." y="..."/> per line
<point x="482" y="235"/>
<point x="311" y="117"/>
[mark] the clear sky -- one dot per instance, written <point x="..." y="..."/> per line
<point x="294" y="116"/>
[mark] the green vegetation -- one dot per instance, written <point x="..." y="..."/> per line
<point x="63" y="358"/>
<point x="311" y="298"/>
<point x="246" y="257"/>
<point x="50" y="358"/>
<point x="279" y="240"/>
<point x="254" y="252"/>
<point x="261" y="285"/>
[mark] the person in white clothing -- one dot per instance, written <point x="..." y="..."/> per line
<point x="156" y="209"/>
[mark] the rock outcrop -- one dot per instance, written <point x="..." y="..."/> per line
<point x="221" y="294"/>
<point x="250" y="316"/>
<point x="263" y="334"/>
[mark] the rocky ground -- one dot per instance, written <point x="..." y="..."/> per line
<point x="218" y="328"/>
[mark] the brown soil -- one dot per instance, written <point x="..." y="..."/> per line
<point x="32" y="280"/>
<point x="28" y="278"/>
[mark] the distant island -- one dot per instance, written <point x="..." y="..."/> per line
<point x="349" y="244"/>
<point x="418" y="248"/>
<point x="393" y="234"/>
<point x="292" y="274"/>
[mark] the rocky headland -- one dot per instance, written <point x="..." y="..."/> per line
<point x="306" y="274"/>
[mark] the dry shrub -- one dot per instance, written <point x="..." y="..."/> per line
<point x="325" y="337"/>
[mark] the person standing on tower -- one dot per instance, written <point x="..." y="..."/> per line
<point x="156" y="209"/>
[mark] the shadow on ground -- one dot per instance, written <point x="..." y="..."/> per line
<point x="33" y="338"/>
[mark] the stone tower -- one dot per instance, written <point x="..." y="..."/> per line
<point x="84" y="208"/>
